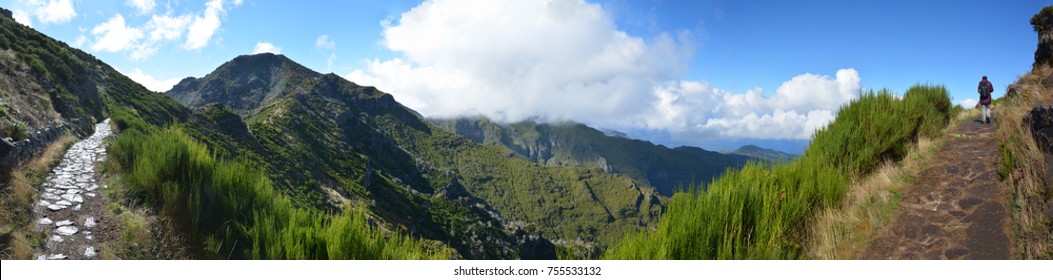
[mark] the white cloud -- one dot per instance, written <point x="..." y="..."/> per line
<point x="968" y="103"/>
<point x="142" y="42"/>
<point x="805" y="103"/>
<point x="203" y="26"/>
<point x="79" y="43"/>
<point x="329" y="62"/>
<point x="52" y="11"/>
<point x="114" y="35"/>
<point x="545" y="59"/>
<point x="265" y="47"/>
<point x="566" y="60"/>
<point x="22" y="17"/>
<point x="323" y="42"/>
<point x="150" y="82"/>
<point x="143" y="6"/>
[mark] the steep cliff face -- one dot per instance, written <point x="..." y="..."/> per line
<point x="1043" y="23"/>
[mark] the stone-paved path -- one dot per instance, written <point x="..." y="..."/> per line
<point x="956" y="210"/>
<point x="70" y="207"/>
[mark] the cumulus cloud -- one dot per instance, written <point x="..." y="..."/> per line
<point x="323" y="42"/>
<point x="567" y="60"/>
<point x="968" y="103"/>
<point x="114" y="35"/>
<point x="143" y="6"/>
<point x="150" y="82"/>
<point x="265" y="47"/>
<point x="51" y="11"/>
<point x="516" y="59"/>
<point x="205" y="25"/>
<point x="22" y="17"/>
<point x="800" y="106"/>
<point x="143" y="41"/>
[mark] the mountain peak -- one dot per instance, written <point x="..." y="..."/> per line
<point x="245" y="84"/>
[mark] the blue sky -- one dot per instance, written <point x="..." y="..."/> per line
<point x="714" y="74"/>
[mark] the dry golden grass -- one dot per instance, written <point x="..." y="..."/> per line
<point x="18" y="195"/>
<point x="844" y="232"/>
<point x="21" y="247"/>
<point x="1024" y="166"/>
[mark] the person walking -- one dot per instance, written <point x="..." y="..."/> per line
<point x="985" y="88"/>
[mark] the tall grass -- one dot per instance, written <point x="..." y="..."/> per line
<point x="1023" y="165"/>
<point x="230" y="210"/>
<point x="18" y="190"/>
<point x="764" y="211"/>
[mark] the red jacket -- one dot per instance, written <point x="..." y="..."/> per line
<point x="985" y="85"/>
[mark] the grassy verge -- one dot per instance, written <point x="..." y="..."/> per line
<point x="17" y="196"/>
<point x="843" y="232"/>
<point x="228" y="209"/>
<point x="1023" y="166"/>
<point x="766" y="211"/>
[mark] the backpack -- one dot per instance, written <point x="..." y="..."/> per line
<point x="985" y="90"/>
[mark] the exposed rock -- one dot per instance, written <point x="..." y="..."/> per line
<point x="50" y="196"/>
<point x="534" y="247"/>
<point x="90" y="252"/>
<point x="1041" y="120"/>
<point x="89" y="222"/>
<point x="44" y="221"/>
<point x="67" y="230"/>
<point x="13" y="153"/>
<point x="1043" y="24"/>
<point x="56" y="207"/>
<point x="64" y="223"/>
<point x="57" y="257"/>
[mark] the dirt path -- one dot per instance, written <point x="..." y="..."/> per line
<point x="71" y="209"/>
<point x="956" y="210"/>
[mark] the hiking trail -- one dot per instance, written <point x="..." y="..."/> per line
<point x="71" y="210"/>
<point x="957" y="207"/>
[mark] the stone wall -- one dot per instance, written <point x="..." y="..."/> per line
<point x="14" y="153"/>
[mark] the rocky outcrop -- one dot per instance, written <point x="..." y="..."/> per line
<point x="13" y="153"/>
<point x="1040" y="119"/>
<point x="1043" y="23"/>
<point x="535" y="247"/>
<point x="6" y="13"/>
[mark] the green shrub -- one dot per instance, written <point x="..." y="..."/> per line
<point x="763" y="211"/>
<point x="230" y="210"/>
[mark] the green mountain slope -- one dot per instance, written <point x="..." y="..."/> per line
<point x="330" y="142"/>
<point x="575" y="144"/>
<point x="46" y="82"/>
<point x="222" y="205"/>
<point x="763" y="154"/>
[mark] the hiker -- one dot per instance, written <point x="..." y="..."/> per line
<point x="985" y="88"/>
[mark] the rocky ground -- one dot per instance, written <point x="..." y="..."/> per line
<point x="957" y="209"/>
<point x="71" y="210"/>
